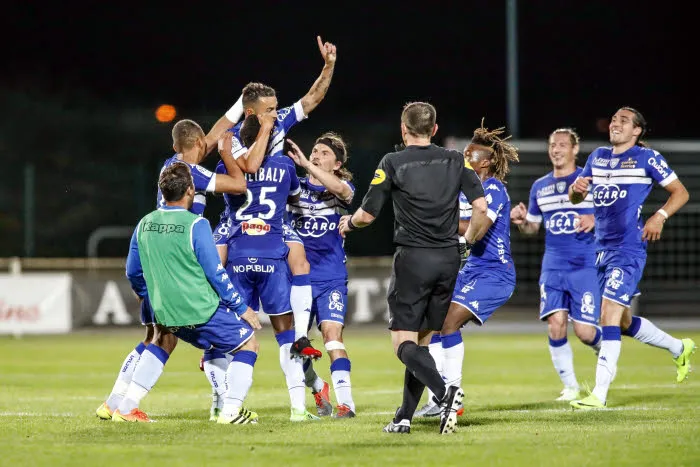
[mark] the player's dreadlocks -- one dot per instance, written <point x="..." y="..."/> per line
<point x="503" y="152"/>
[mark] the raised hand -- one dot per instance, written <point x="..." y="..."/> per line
<point x="327" y="51"/>
<point x="296" y="155"/>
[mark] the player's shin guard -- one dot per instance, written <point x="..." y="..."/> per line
<point x="644" y="331"/>
<point x="453" y="354"/>
<point x="435" y="349"/>
<point x="607" y="361"/>
<point x="121" y="385"/>
<point x="301" y="300"/>
<point x="293" y="370"/>
<point x="239" y="376"/>
<point x="418" y="360"/>
<point x="215" y="366"/>
<point x="563" y="360"/>
<point x="146" y="375"/>
<point x="340" y="373"/>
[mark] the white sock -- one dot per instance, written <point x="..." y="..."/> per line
<point x="239" y="378"/>
<point x="435" y="349"/>
<point x="340" y="373"/>
<point x="121" y="385"/>
<point x="311" y="378"/>
<point x="645" y="331"/>
<point x="215" y="370"/>
<point x="607" y="362"/>
<point x="563" y="360"/>
<point x="453" y="357"/>
<point x="145" y="376"/>
<point x="301" y="300"/>
<point x="293" y="371"/>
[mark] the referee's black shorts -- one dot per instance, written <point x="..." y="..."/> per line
<point x="421" y="286"/>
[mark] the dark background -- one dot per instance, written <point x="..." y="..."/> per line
<point x="79" y="85"/>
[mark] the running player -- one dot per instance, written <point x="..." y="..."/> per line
<point x="260" y="99"/>
<point x="568" y="282"/>
<point x="172" y="255"/>
<point x="191" y="146"/>
<point x="620" y="179"/>
<point x="487" y="280"/>
<point x="326" y="195"/>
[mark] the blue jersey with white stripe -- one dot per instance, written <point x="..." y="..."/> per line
<point x="204" y="182"/>
<point x="257" y="217"/>
<point x="493" y="250"/>
<point x="315" y="217"/>
<point x="621" y="184"/>
<point x="549" y="202"/>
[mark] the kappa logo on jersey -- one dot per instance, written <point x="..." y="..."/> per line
<point x="379" y="177"/>
<point x="255" y="227"/>
<point x="314" y="226"/>
<point x="562" y="223"/>
<point x="335" y="301"/>
<point x="469" y="286"/>
<point x="561" y="186"/>
<point x="587" y="303"/>
<point x="660" y="166"/>
<point x="615" y="280"/>
<point x="163" y="228"/>
<point x="493" y="186"/>
<point x="607" y="195"/>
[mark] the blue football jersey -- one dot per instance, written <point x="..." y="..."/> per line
<point x="257" y="217"/>
<point x="286" y="119"/>
<point x="204" y="182"/>
<point x="549" y="202"/>
<point x="493" y="250"/>
<point x="621" y="184"/>
<point x="315" y="217"/>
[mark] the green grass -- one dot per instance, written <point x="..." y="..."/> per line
<point x="50" y="387"/>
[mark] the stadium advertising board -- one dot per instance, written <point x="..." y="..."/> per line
<point x="35" y="303"/>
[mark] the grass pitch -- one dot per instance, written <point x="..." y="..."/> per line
<point x="50" y="387"/>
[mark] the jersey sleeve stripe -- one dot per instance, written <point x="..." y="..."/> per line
<point x="299" y="111"/>
<point x="618" y="180"/>
<point x="532" y="218"/>
<point x="491" y="215"/>
<point x="211" y="187"/>
<point x="671" y="178"/>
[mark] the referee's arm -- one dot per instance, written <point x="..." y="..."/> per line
<point x="474" y="191"/>
<point x="373" y="201"/>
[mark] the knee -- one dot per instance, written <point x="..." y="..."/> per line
<point x="403" y="348"/>
<point x="556" y="325"/>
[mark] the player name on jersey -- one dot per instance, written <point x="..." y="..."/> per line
<point x="267" y="174"/>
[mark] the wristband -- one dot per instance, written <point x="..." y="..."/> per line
<point x="663" y="213"/>
<point x="351" y="226"/>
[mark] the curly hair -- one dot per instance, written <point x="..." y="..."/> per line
<point x="503" y="152"/>
<point x="340" y="149"/>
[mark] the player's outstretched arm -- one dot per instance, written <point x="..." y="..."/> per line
<point x="359" y="219"/>
<point x="654" y="225"/>
<point x="230" y="118"/>
<point x="332" y="183"/>
<point x="320" y="87"/>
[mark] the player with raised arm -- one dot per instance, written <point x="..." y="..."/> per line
<point x="260" y="99"/>
<point x="487" y="280"/>
<point x="173" y="261"/>
<point x="568" y="281"/>
<point x="326" y="195"/>
<point x="257" y="257"/>
<point x="191" y="146"/>
<point x="620" y="178"/>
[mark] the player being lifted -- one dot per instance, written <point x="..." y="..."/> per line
<point x="568" y="281"/>
<point x="487" y="280"/>
<point x="260" y="99"/>
<point x="326" y="195"/>
<point x="191" y="146"/>
<point x="620" y="179"/>
<point x="257" y="256"/>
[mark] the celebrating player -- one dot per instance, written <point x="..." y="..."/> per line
<point x="487" y="280"/>
<point x="326" y="195"/>
<point x="568" y="281"/>
<point x="620" y="179"/>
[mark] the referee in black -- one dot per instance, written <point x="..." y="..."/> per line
<point x="424" y="181"/>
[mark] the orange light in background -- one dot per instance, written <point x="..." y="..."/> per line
<point x="165" y="113"/>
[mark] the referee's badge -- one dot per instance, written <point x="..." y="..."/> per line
<point x="379" y="177"/>
<point x="467" y="164"/>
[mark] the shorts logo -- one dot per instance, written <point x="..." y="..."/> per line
<point x="335" y="301"/>
<point x="243" y="332"/>
<point x="255" y="227"/>
<point x="469" y="286"/>
<point x="625" y="298"/>
<point x="379" y="177"/>
<point x="543" y="293"/>
<point x="561" y="186"/>
<point x="475" y="305"/>
<point x="587" y="303"/>
<point x="252" y="260"/>
<point x="615" y="279"/>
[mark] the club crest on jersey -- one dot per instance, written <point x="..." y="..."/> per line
<point x="614" y="162"/>
<point x="561" y="186"/>
<point x="335" y="301"/>
<point x="255" y="227"/>
<point x="587" y="303"/>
